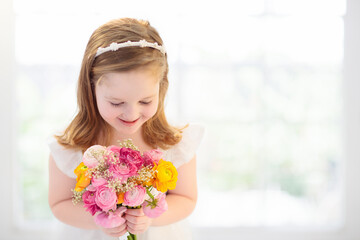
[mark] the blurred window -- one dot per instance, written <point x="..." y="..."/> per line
<point x="263" y="76"/>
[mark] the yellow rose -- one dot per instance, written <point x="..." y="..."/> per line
<point x="83" y="178"/>
<point x="166" y="176"/>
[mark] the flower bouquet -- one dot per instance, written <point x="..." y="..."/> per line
<point x="112" y="179"/>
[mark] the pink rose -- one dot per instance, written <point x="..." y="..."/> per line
<point x="112" y="154"/>
<point x="105" y="198"/>
<point x="126" y="164"/>
<point x="97" y="182"/>
<point x="111" y="219"/>
<point x="135" y="197"/>
<point x="123" y="171"/>
<point x="114" y="149"/>
<point x="93" y="155"/>
<point x="116" y="155"/>
<point x="131" y="156"/>
<point x="89" y="202"/>
<point x="154" y="209"/>
<point x="152" y="156"/>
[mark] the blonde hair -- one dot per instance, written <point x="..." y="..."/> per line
<point x="86" y="126"/>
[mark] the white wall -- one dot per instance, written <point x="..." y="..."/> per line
<point x="7" y="59"/>
<point x="351" y="93"/>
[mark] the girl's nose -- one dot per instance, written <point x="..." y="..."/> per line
<point x="130" y="113"/>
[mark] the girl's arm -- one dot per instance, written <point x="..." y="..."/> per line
<point x="181" y="202"/>
<point x="60" y="199"/>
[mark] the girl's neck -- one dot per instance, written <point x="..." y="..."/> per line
<point x="136" y="138"/>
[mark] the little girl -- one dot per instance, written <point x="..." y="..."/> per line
<point x="121" y="91"/>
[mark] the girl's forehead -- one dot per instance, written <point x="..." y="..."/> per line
<point x="144" y="74"/>
<point x="127" y="84"/>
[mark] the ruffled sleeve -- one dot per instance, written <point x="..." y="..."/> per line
<point x="185" y="150"/>
<point x="66" y="159"/>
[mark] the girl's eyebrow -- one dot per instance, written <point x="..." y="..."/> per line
<point x="150" y="96"/>
<point x="118" y="99"/>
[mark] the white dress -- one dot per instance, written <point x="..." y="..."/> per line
<point x="67" y="160"/>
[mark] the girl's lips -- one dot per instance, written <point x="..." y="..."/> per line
<point x="128" y="123"/>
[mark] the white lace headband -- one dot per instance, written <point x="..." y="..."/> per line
<point x="142" y="43"/>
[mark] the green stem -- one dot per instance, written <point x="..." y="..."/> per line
<point x="149" y="193"/>
<point x="131" y="237"/>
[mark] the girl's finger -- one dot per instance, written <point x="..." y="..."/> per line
<point x="119" y="234"/>
<point x="115" y="230"/>
<point x="135" y="212"/>
<point x="134" y="231"/>
<point x="136" y="220"/>
<point x="137" y="227"/>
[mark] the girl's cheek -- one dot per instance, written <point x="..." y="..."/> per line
<point x="151" y="112"/>
<point x="107" y="110"/>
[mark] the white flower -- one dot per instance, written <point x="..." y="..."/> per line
<point x="113" y="46"/>
<point x="142" y="43"/>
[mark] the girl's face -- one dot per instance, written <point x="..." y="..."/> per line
<point x="126" y="100"/>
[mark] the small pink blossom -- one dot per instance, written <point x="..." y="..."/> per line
<point x="155" y="208"/>
<point x="152" y="156"/>
<point x="134" y="197"/>
<point x="111" y="219"/>
<point x="89" y="202"/>
<point x="93" y="155"/>
<point x="105" y="198"/>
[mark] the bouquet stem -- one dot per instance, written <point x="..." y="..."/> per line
<point x="132" y="237"/>
<point x="128" y="236"/>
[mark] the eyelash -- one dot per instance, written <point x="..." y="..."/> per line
<point x="145" y="103"/>
<point x="118" y="104"/>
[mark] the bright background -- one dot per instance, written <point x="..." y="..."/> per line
<point x="268" y="79"/>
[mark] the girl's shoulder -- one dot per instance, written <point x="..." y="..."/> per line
<point x="66" y="159"/>
<point x="185" y="150"/>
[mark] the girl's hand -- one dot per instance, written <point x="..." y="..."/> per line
<point x="137" y="222"/>
<point x="116" y="231"/>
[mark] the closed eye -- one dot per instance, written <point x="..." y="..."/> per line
<point x="144" y="103"/>
<point x="116" y="104"/>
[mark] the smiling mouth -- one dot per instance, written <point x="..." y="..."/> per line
<point x="130" y="122"/>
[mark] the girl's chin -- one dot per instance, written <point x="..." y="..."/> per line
<point x="127" y="129"/>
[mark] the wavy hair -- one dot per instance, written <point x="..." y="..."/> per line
<point x="88" y="128"/>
